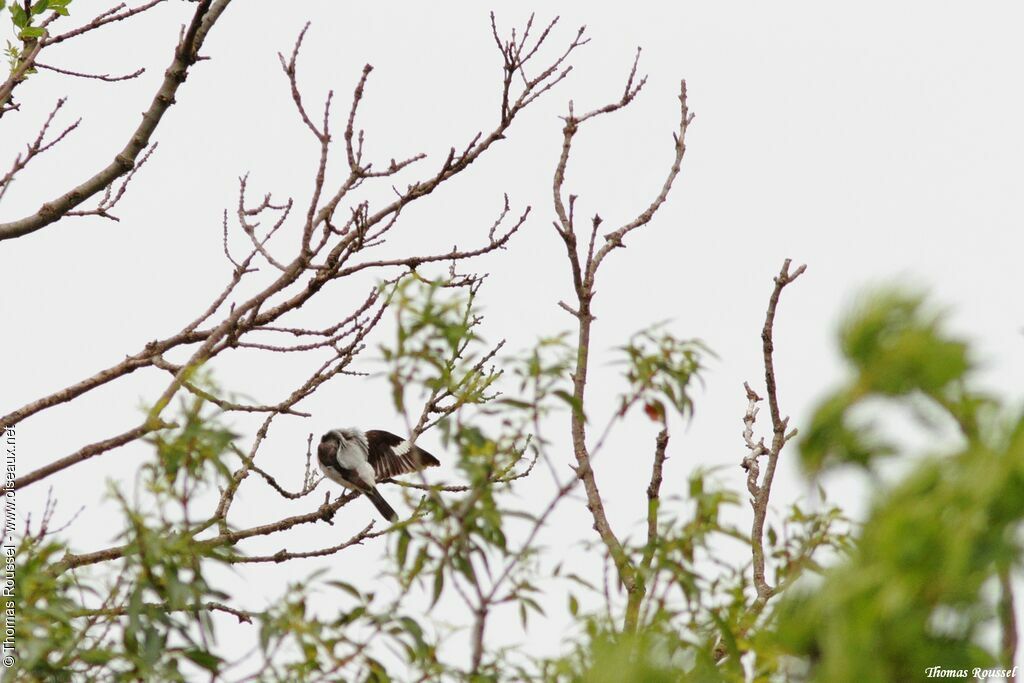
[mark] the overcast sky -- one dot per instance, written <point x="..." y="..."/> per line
<point x="872" y="143"/>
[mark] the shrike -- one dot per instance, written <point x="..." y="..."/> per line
<point x="358" y="460"/>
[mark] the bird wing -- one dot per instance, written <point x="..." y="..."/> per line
<point x="391" y="455"/>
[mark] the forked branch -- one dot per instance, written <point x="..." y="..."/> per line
<point x="584" y="269"/>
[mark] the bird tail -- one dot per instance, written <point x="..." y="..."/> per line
<point x="382" y="505"/>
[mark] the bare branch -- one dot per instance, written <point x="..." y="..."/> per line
<point x="653" y="500"/>
<point x="289" y="68"/>
<point x="583" y="276"/>
<point x="110" y="16"/>
<point x="324" y="513"/>
<point x="97" y="77"/>
<point x="613" y="239"/>
<point x="36" y="147"/>
<point x="243" y="616"/>
<point x="185" y="55"/>
<point x="284" y="556"/>
<point x="90" y="451"/>
<point x="110" y="198"/>
<point x="760" y="490"/>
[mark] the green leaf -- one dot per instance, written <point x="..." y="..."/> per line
<point x="515" y="403"/>
<point x="18" y="16"/>
<point x="347" y="587"/>
<point x="40" y="6"/>
<point x="403" y="546"/>
<point x="577" y="408"/>
<point x="97" y="657"/>
<point x="207" y="660"/>
<point x="438" y="585"/>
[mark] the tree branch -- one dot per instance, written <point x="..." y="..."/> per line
<point x="584" y="275"/>
<point x="324" y="513"/>
<point x="243" y="616"/>
<point x="760" y="490"/>
<point x="653" y="492"/>
<point x="90" y="451"/>
<point x="185" y="55"/>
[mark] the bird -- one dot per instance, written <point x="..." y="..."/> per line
<point x="358" y="460"/>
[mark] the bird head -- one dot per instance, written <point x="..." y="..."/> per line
<point x="334" y="437"/>
<point x="341" y="438"/>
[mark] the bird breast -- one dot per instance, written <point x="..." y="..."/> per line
<point x="354" y="457"/>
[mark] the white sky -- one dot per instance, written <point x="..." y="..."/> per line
<point x="871" y="143"/>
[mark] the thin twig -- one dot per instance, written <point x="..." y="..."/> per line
<point x="98" y="77"/>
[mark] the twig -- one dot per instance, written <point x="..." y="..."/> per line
<point x="284" y="556"/>
<point x="324" y="513"/>
<point x="109" y="16"/>
<point x="37" y="146"/>
<point x="98" y="77"/>
<point x="243" y="616"/>
<point x="653" y="501"/>
<point x="24" y="65"/>
<point x="762" y="492"/>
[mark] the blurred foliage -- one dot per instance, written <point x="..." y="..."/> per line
<point x="296" y="644"/>
<point x="917" y="590"/>
<point x="46" y="632"/>
<point x="143" y="617"/>
<point x="896" y="349"/>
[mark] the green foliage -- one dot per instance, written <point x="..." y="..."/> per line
<point x="651" y="656"/>
<point x="542" y="374"/>
<point x="916" y="591"/>
<point x="659" y="366"/>
<point x="13" y="54"/>
<point x="896" y="347"/>
<point x="22" y="16"/>
<point x="799" y="544"/>
<point x="192" y="453"/>
<point x="297" y="644"/>
<point x="434" y="345"/>
<point x="165" y="587"/>
<point x="896" y="350"/>
<point x="46" y="632"/>
<point x="691" y="613"/>
<point x="147" y="620"/>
